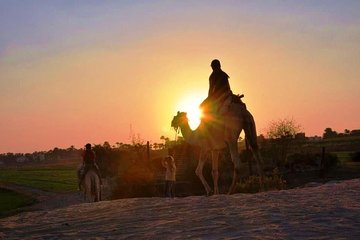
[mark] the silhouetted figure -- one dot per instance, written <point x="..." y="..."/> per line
<point x="89" y="162"/>
<point x="170" y="175"/>
<point x="224" y="117"/>
<point x="216" y="105"/>
<point x="219" y="89"/>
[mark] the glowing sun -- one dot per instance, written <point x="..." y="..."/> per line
<point x="190" y="105"/>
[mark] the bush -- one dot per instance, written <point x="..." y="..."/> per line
<point x="331" y="161"/>
<point x="302" y="161"/>
<point x="252" y="184"/>
<point x="135" y="182"/>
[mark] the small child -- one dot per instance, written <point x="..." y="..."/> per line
<point x="170" y="175"/>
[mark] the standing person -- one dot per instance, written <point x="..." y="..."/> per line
<point x="89" y="162"/>
<point x="170" y="175"/>
<point x="219" y="88"/>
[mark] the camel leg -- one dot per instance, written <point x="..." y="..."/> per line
<point x="86" y="188"/>
<point x="251" y="136"/>
<point x="236" y="161"/>
<point x="215" y="170"/>
<point x="199" y="173"/>
<point x="87" y="191"/>
<point x="94" y="196"/>
<point x="97" y="189"/>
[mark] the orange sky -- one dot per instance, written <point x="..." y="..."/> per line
<point x="72" y="74"/>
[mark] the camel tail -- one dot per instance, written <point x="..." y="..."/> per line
<point x="251" y="140"/>
<point x="250" y="131"/>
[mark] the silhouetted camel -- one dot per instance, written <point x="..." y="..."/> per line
<point x="211" y="138"/>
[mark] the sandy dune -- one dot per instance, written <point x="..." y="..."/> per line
<point x="329" y="211"/>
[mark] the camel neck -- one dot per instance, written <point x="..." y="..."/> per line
<point x="188" y="134"/>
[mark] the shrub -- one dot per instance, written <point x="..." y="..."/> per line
<point x="303" y="160"/>
<point x="135" y="182"/>
<point x="252" y="184"/>
<point x="331" y="161"/>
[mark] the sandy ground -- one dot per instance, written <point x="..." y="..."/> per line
<point x="328" y="211"/>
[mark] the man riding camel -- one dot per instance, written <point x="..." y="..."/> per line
<point x="219" y="90"/>
<point x="216" y="105"/>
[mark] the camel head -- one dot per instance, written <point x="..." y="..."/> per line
<point x="179" y="120"/>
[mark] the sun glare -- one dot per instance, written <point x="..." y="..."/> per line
<point x="190" y="105"/>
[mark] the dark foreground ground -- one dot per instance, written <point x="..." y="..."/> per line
<point x="324" y="211"/>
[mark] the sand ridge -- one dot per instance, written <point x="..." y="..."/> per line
<point x="328" y="211"/>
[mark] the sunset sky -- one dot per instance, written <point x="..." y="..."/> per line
<point x="73" y="72"/>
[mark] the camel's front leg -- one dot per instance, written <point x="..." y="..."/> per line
<point x="215" y="170"/>
<point x="199" y="173"/>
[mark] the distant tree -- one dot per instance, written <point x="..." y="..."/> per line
<point x="329" y="133"/>
<point x="283" y="128"/>
<point x="282" y="132"/>
<point x="355" y="132"/>
<point x="71" y="149"/>
<point x="166" y="140"/>
<point x="300" y="136"/>
<point x="162" y="138"/>
<point x="106" y="145"/>
<point x="347" y="131"/>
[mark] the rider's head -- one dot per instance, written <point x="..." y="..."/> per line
<point x="215" y="64"/>
<point x="88" y="146"/>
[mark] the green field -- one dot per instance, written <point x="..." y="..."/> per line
<point x="51" y="178"/>
<point x="11" y="201"/>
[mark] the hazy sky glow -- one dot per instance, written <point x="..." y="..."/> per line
<point x="73" y="72"/>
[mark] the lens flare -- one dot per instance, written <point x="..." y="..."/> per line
<point x="190" y="105"/>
